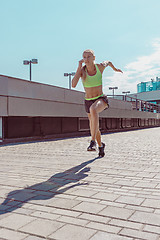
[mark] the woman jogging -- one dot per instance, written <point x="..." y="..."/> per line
<point x="95" y="100"/>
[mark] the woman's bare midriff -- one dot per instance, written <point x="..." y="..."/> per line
<point x="93" y="92"/>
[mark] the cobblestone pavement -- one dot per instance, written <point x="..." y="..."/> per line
<point x="58" y="190"/>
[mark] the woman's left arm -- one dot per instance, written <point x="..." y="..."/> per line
<point x="104" y="64"/>
<point x="114" y="68"/>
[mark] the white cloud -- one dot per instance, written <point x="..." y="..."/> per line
<point x="142" y="69"/>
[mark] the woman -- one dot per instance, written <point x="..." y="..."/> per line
<point x="95" y="100"/>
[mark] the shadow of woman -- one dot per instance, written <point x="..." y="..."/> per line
<point x="47" y="189"/>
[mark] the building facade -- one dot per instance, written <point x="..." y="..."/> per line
<point x="149" y="86"/>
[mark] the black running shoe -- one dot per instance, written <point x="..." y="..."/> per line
<point x="92" y="146"/>
<point x="101" y="150"/>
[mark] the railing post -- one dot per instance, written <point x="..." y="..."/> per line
<point x="1" y="130"/>
<point x="142" y="107"/>
<point x="136" y="105"/>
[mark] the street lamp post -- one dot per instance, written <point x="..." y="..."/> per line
<point x="126" y="92"/>
<point x="29" y="62"/>
<point x="125" y="97"/>
<point x="69" y="74"/>
<point x="113" y="88"/>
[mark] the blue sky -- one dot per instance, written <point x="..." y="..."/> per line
<point x="125" y="32"/>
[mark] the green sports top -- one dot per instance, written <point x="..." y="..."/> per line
<point x="93" y="81"/>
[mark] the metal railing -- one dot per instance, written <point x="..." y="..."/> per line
<point x="138" y="104"/>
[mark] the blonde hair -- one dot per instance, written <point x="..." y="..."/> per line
<point x="89" y="51"/>
<point x="84" y="68"/>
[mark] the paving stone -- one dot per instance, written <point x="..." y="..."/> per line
<point x="15" y="221"/>
<point x="114" y="204"/>
<point x="72" y="220"/>
<point x="139" y="234"/>
<point x="106" y="180"/>
<point x="38" y="207"/>
<point x="95" y="218"/>
<point x="41" y="227"/>
<point x="72" y="232"/>
<point x="21" y="195"/>
<point x="125" y="183"/>
<point x="148" y="196"/>
<point x="54" y="202"/>
<point x="146" y="185"/>
<point x="49" y="216"/>
<point x="157" y="211"/>
<point x="66" y="212"/>
<point x="103" y="227"/>
<point x="83" y="192"/>
<point x="116" y="212"/>
<point x="63" y="203"/>
<point x="153" y="229"/>
<point x="11" y="235"/>
<point x="130" y="200"/>
<point x="4" y="214"/>
<point x="126" y="224"/>
<point x="66" y="196"/>
<point x="84" y="199"/>
<point x="4" y="208"/>
<point x="34" y="238"/>
<point x="108" y="236"/>
<point x="89" y="207"/>
<point x="139" y="208"/>
<point x="151" y="203"/>
<point x="144" y="217"/>
<point x="43" y="193"/>
<point x="158" y="186"/>
<point x="5" y="190"/>
<point x="23" y="211"/>
<point x="106" y="196"/>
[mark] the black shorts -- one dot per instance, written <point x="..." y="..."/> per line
<point x="88" y="103"/>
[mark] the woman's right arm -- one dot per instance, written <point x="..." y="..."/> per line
<point x="77" y="75"/>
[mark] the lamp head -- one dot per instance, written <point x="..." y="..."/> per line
<point x="66" y="74"/>
<point x="25" y="62"/>
<point x="34" y="61"/>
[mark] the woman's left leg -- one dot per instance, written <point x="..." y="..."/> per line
<point x="98" y="136"/>
<point x="97" y="107"/>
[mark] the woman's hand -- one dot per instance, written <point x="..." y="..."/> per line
<point x="80" y="63"/>
<point x="78" y="74"/>
<point x="119" y="70"/>
<point x="113" y="67"/>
